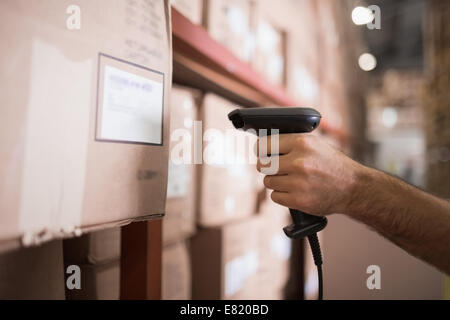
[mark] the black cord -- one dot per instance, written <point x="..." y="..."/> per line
<point x="317" y="255"/>
<point x="319" y="275"/>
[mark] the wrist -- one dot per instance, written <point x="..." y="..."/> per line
<point x="364" y="184"/>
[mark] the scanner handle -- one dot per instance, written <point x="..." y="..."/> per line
<point x="304" y="224"/>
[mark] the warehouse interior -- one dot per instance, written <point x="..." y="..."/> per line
<point x="104" y="199"/>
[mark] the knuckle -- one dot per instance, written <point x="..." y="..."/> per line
<point x="307" y="165"/>
<point x="304" y="142"/>
<point x="298" y="164"/>
<point x="311" y="167"/>
<point x="299" y="141"/>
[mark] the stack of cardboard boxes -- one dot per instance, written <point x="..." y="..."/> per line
<point x="244" y="28"/>
<point x="88" y="156"/>
<point x="227" y="187"/>
<point x="270" y="51"/>
<point x="225" y="261"/>
<point x="33" y="273"/>
<point x="239" y="250"/>
<point x="224" y="251"/>
<point x="221" y="238"/>
<point x="191" y="9"/>
<point x="180" y="221"/>
<point x="78" y="154"/>
<point x="228" y="22"/>
<point x="280" y="41"/>
<point x="221" y="241"/>
<point x="303" y="55"/>
<point x="97" y="255"/>
<point x="275" y="251"/>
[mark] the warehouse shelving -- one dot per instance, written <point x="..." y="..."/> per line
<point x="198" y="61"/>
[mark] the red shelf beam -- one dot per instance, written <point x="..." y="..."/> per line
<point x="204" y="48"/>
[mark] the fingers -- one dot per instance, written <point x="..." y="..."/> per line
<point x="282" y="198"/>
<point x="278" y="183"/>
<point x="275" y="145"/>
<point x="274" y="165"/>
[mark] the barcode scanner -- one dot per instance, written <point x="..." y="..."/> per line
<point x="288" y="120"/>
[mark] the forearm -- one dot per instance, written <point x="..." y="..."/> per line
<point x="414" y="220"/>
<point x="315" y="178"/>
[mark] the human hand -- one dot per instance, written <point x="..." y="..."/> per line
<point x="312" y="176"/>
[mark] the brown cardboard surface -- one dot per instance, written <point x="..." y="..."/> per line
<point x="225" y="261"/>
<point x="179" y="222"/>
<point x="98" y="282"/>
<point x="176" y="281"/>
<point x="227" y="191"/>
<point x="56" y="177"/>
<point x="302" y="70"/>
<point x="93" y="248"/>
<point x="270" y="46"/>
<point x="192" y="9"/>
<point x="228" y="22"/>
<point x="33" y="273"/>
<point x="274" y="248"/>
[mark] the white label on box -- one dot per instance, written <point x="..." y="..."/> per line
<point x="132" y="109"/>
<point x="238" y="270"/>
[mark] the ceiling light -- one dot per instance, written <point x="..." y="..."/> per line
<point x="389" y="117"/>
<point x="362" y="15"/>
<point x="367" y="62"/>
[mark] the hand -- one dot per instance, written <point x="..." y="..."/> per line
<point x="312" y="176"/>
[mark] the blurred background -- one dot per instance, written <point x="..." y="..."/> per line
<point x="377" y="71"/>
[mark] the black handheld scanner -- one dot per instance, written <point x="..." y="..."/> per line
<point x="286" y="120"/>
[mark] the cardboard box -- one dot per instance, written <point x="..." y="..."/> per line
<point x="176" y="280"/>
<point x="191" y="9"/>
<point x="98" y="282"/>
<point x="302" y="71"/>
<point x="93" y="248"/>
<point x="228" y="190"/>
<point x="270" y="48"/>
<point x="334" y="106"/>
<point x="297" y="22"/>
<point x="229" y="23"/>
<point x="275" y="251"/>
<point x="71" y="89"/>
<point x="33" y="273"/>
<point x="179" y="222"/>
<point x="225" y="261"/>
<point x="98" y="256"/>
